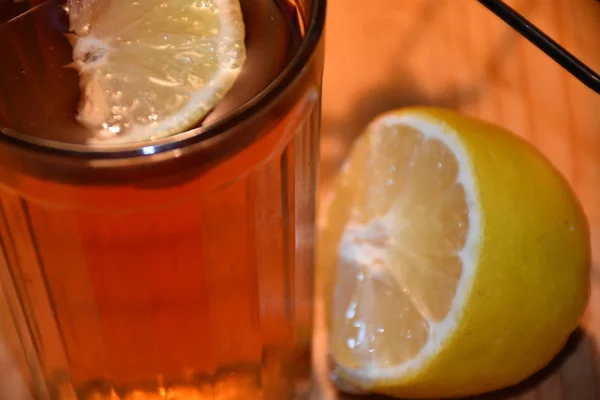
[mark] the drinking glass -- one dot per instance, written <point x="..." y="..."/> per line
<point x="177" y="269"/>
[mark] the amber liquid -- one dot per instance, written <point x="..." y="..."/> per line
<point x="172" y="287"/>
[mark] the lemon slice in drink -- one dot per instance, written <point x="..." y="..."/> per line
<point x="456" y="258"/>
<point x="150" y="69"/>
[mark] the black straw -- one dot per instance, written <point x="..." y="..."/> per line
<point x="555" y="51"/>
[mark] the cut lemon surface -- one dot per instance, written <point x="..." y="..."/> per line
<point x="455" y="258"/>
<point x="150" y="69"/>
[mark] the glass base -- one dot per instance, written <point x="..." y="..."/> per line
<point x="242" y="382"/>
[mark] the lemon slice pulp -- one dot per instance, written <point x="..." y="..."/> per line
<point x="150" y="69"/>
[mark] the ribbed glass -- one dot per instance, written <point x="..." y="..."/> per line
<point x="183" y="275"/>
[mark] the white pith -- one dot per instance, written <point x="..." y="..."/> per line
<point x="368" y="254"/>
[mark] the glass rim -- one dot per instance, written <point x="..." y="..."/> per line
<point x="264" y="98"/>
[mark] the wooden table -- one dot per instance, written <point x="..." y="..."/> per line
<point x="383" y="54"/>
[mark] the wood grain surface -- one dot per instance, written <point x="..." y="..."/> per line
<point x="383" y="54"/>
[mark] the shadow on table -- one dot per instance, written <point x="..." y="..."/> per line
<point x="400" y="87"/>
<point x="570" y="376"/>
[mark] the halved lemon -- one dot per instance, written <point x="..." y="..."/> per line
<point x="149" y="68"/>
<point x="456" y="258"/>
